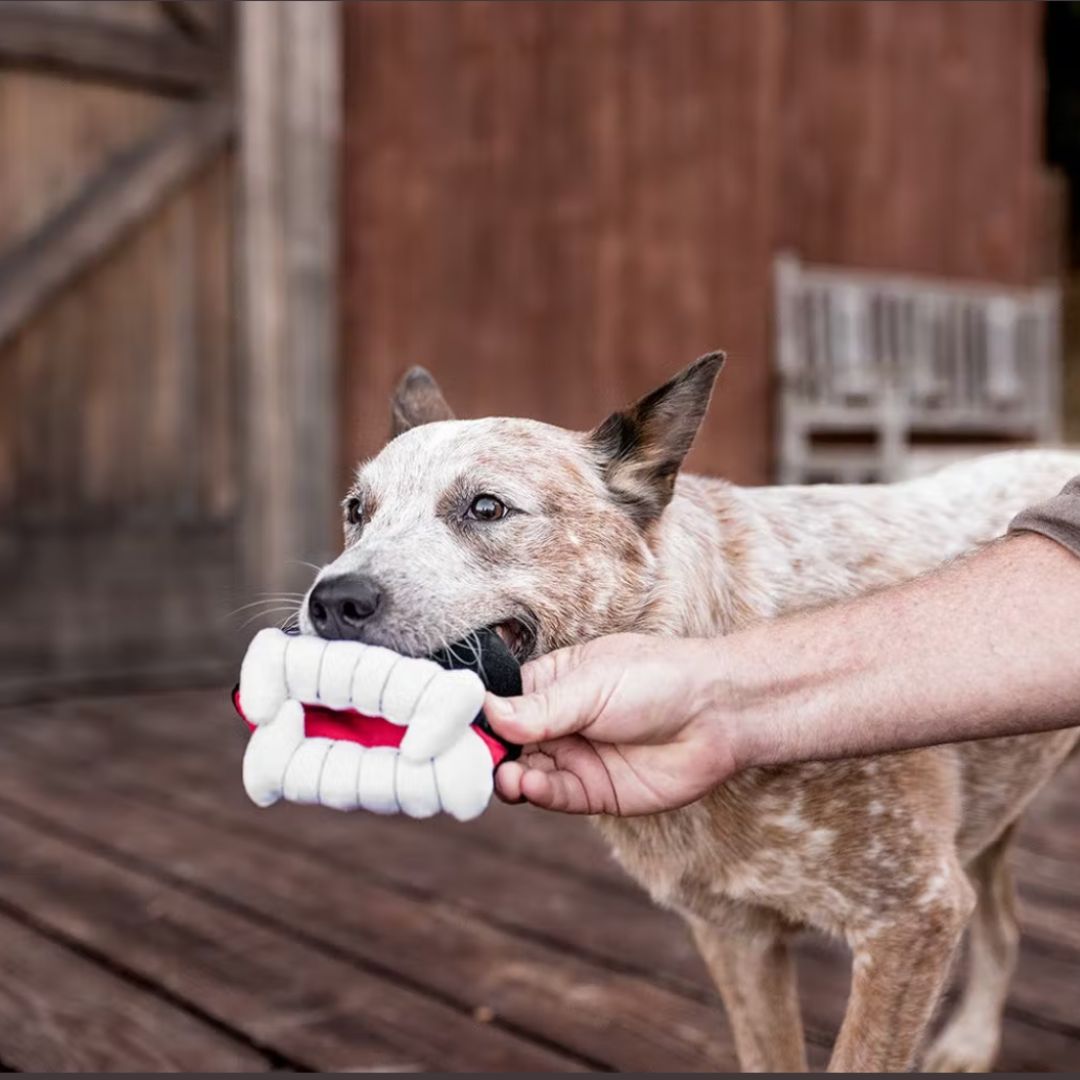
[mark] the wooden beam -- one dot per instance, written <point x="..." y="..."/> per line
<point x="33" y="37"/>
<point x="106" y="209"/>
<point x="290" y="118"/>
<point x="197" y="19"/>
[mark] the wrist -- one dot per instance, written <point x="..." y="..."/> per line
<point x="716" y="718"/>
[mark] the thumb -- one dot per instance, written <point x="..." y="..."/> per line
<point x="562" y="707"/>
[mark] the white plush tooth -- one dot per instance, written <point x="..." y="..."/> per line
<point x="417" y="792"/>
<point x="262" y="676"/>
<point x="304" y="771"/>
<point x="336" y="672"/>
<point x="375" y="787"/>
<point x="370" y="677"/>
<point x="406" y="683"/>
<point x="465" y="777"/>
<point x="303" y="658"/>
<point x="340" y="776"/>
<point x="269" y="751"/>
<point x="448" y="705"/>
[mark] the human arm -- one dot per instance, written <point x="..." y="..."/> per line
<point x="987" y="646"/>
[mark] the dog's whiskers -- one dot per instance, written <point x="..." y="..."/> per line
<point x="290" y="611"/>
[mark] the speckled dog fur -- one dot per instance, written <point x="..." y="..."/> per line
<point x="896" y="855"/>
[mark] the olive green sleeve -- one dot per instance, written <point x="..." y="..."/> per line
<point x="1057" y="518"/>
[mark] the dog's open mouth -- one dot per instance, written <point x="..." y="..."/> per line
<point x="517" y="637"/>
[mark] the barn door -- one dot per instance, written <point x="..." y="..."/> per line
<point x="166" y="253"/>
<point x="119" y="460"/>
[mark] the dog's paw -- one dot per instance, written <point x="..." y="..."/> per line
<point x="963" y="1047"/>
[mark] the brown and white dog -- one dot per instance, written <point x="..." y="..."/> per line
<point x="556" y="537"/>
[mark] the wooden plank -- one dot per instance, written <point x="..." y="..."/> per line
<point x="629" y="1021"/>
<point x="61" y="1012"/>
<point x="197" y="19"/>
<point x="169" y="579"/>
<point x="313" y="1009"/>
<point x="94" y="49"/>
<point x="290" y="107"/>
<point x="592" y="917"/>
<point x="106" y="209"/>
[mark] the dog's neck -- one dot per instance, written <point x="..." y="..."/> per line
<point x="711" y="552"/>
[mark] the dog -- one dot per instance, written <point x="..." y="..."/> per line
<point x="554" y="537"/>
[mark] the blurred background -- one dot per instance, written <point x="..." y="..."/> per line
<point x="227" y="228"/>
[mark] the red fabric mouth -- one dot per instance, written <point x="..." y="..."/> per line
<point x="348" y="725"/>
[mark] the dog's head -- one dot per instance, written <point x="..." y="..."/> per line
<point x="543" y="533"/>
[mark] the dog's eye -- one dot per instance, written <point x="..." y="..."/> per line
<point x="487" y="508"/>
<point x="354" y="513"/>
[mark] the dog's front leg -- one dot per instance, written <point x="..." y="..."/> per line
<point x="898" y="974"/>
<point x="755" y="974"/>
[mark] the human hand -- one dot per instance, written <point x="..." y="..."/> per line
<point x="622" y="725"/>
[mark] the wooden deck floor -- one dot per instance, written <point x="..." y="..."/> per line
<point x="150" y="918"/>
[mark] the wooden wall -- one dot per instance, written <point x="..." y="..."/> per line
<point x="912" y="137"/>
<point x="118" y="467"/>
<point x="554" y="205"/>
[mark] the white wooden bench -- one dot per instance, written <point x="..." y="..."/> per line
<point x="880" y="373"/>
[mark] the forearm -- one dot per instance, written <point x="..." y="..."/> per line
<point x="987" y="646"/>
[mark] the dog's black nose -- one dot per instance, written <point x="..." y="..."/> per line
<point x="340" y="606"/>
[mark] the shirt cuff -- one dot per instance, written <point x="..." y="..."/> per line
<point x="1057" y="519"/>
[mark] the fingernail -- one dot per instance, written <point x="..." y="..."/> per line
<point x="499" y="708"/>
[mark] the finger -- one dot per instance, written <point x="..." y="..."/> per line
<point x="417" y="792"/>
<point x="340" y="776"/>
<point x="269" y="751"/>
<point x="558" y="790"/>
<point x="463" y="774"/>
<point x="370" y="677"/>
<point x="449" y="704"/>
<point x="562" y="708"/>
<point x="544" y="670"/>
<point x="336" y="670"/>
<point x="537" y="759"/>
<point x="304" y="771"/>
<point x="508" y="782"/>
<point x="375" y="787"/>
<point x="262" y="676"/>
<point x="303" y="659"/>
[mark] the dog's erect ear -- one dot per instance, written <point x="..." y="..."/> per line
<point x="417" y="400"/>
<point x="641" y="448"/>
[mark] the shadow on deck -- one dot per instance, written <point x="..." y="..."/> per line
<point x="151" y="918"/>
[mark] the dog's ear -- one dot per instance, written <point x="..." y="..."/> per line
<point x="641" y="449"/>
<point x="417" y="400"/>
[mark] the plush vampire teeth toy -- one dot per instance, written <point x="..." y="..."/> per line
<point x="355" y="726"/>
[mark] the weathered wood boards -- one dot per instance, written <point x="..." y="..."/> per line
<point x="329" y="939"/>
